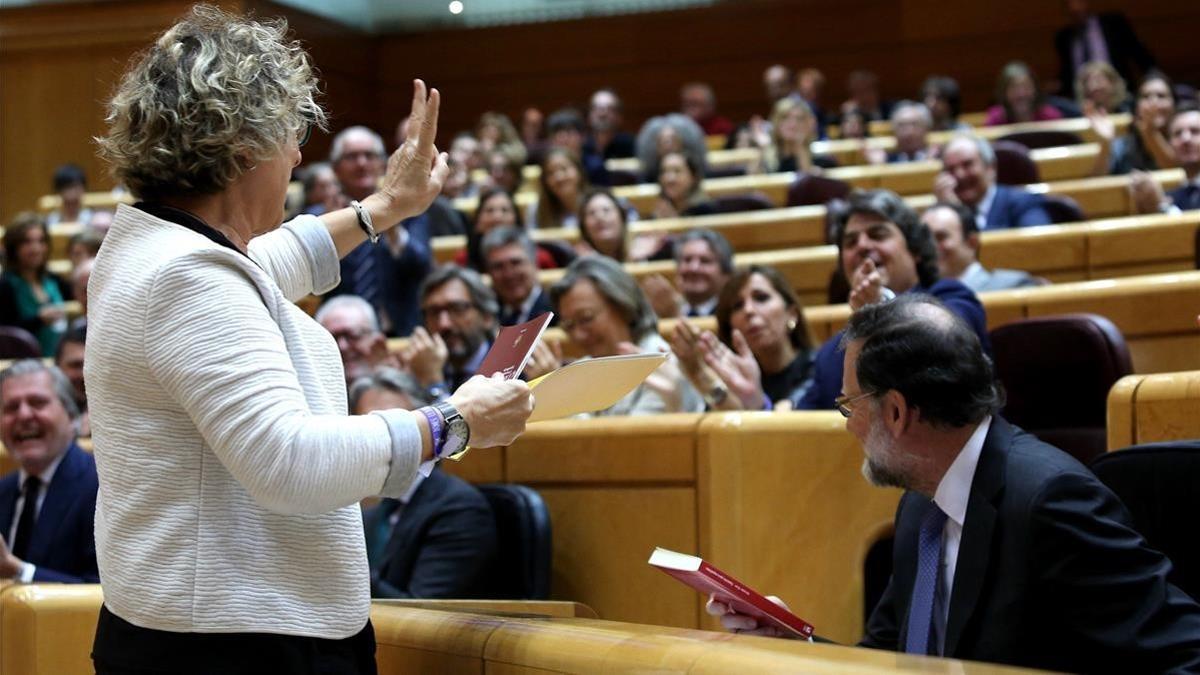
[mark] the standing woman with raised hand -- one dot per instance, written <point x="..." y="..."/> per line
<point x="227" y="525"/>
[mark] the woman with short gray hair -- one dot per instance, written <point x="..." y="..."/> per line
<point x="228" y="531"/>
<point x="605" y="312"/>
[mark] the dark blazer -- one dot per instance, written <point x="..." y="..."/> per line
<point x="398" y="277"/>
<point x="1014" y="207"/>
<point x="441" y="546"/>
<point x="1127" y="53"/>
<point x="1186" y="197"/>
<point x="1050" y="572"/>
<point x="820" y="392"/>
<point x="63" y="546"/>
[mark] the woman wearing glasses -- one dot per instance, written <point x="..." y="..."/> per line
<point x="227" y="527"/>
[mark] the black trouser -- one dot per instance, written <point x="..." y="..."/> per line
<point x="122" y="648"/>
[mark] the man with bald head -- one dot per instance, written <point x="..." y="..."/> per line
<point x="968" y="177"/>
<point x="1007" y="549"/>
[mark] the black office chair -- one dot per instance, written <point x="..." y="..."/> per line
<point x="1014" y="166"/>
<point x="1043" y="139"/>
<point x="746" y="201"/>
<point x="1157" y="483"/>
<point x="522" y="568"/>
<point x="1063" y="209"/>
<point x="1057" y="372"/>
<point x="18" y="343"/>
<point x="809" y="189"/>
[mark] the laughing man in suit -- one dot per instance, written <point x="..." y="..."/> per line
<point x="1006" y="549"/>
<point x="48" y="505"/>
<point x="958" y="242"/>
<point x="968" y="177"/>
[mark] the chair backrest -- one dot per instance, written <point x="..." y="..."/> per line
<point x="1157" y="483"/>
<point x="18" y="343"/>
<point x="749" y="201"/>
<point x="562" y="252"/>
<point x="623" y="177"/>
<point x="1063" y="209"/>
<point x="1043" y="139"/>
<point x="1056" y="372"/>
<point x="809" y="189"/>
<point x="522" y="569"/>
<point x="1014" y="166"/>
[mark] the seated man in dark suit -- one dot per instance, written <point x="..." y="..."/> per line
<point x="968" y="177"/>
<point x="48" y="506"/>
<point x="1107" y="37"/>
<point x="604" y="119"/>
<point x="884" y="250"/>
<point x="1006" y="549"/>
<point x="511" y="260"/>
<point x="440" y="539"/>
<point x="460" y="319"/>
<point x="703" y="263"/>
<point x="958" y="243"/>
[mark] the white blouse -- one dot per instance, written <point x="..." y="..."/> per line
<point x="230" y="472"/>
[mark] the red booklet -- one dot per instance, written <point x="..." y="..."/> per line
<point x="707" y="579"/>
<point x="513" y="346"/>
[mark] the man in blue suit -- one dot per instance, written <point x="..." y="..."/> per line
<point x="47" y="506"/>
<point x="968" y="177"/>
<point x="884" y="251"/>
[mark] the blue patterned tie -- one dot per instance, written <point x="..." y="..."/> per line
<point x="365" y="277"/>
<point x="925" y="588"/>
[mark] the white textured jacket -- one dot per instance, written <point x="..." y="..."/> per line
<point x="229" y="469"/>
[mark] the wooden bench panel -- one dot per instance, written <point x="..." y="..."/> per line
<point x="1153" y="408"/>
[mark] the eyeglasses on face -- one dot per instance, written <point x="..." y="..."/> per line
<point x="457" y="309"/>
<point x="843" y="403"/>
<point x="584" y="319"/>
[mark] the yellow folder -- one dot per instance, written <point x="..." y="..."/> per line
<point x="589" y="385"/>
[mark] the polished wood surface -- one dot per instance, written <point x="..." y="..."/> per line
<point x="1153" y="408"/>
<point x="47" y="629"/>
<point x="541" y="608"/>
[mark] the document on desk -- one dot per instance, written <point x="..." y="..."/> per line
<point x="706" y="579"/>
<point x="589" y="385"/>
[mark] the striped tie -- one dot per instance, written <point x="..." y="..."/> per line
<point x="365" y="276"/>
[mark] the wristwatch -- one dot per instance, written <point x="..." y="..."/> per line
<point x="716" y="396"/>
<point x="456" y="432"/>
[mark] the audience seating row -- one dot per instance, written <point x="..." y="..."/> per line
<point x="48" y="629"/>
<point x="1154" y="408"/>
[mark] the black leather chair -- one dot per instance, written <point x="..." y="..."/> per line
<point x="1043" y="139"/>
<point x="1157" y="483"/>
<point x="623" y="177"/>
<point x="1063" y="209"/>
<point x="809" y="189"/>
<point x="18" y="343"/>
<point x="1014" y="166"/>
<point x="1056" y="372"/>
<point x="749" y="201"/>
<point x="522" y="568"/>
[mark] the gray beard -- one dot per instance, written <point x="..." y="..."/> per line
<point x="875" y="472"/>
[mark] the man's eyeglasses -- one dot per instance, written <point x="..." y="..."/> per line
<point x="457" y="309"/>
<point x="351" y="336"/>
<point x="843" y="403"/>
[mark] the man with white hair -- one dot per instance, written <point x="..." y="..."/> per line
<point x="968" y="177"/>
<point x="386" y="274"/>
<point x="911" y="123"/>
<point x="353" y="324"/>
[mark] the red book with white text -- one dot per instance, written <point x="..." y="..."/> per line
<point x="703" y="577"/>
<point x="513" y="347"/>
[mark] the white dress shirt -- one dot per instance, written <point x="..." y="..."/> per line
<point x="952" y="495"/>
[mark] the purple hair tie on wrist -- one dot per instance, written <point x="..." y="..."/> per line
<point x="436" y="429"/>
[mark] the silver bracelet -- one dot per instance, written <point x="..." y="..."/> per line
<point x="364" y="220"/>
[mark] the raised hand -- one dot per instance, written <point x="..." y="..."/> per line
<point x="943" y="188"/>
<point x="866" y="285"/>
<point x="546" y="358"/>
<point x="1147" y="195"/>
<point x="662" y="296"/>
<point x="494" y="409"/>
<point x="416" y="171"/>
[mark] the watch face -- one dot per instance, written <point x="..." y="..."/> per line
<point x="457" y="435"/>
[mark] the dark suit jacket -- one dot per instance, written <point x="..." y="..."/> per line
<point x="826" y="383"/>
<point x="1127" y="53"/>
<point x="399" y="278"/>
<point x="1186" y="197"/>
<point x="1050" y="572"/>
<point x="63" y="546"/>
<point x="441" y="546"/>
<point x="1014" y="207"/>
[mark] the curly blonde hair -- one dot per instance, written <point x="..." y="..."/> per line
<point x="212" y="96"/>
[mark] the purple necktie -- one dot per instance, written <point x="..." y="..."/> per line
<point x="929" y="566"/>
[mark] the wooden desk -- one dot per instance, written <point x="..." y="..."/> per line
<point x="1153" y="408"/>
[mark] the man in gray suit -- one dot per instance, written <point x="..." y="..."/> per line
<point x="957" y="237"/>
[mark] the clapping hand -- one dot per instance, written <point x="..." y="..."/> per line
<point x="10" y="565"/>
<point x="1101" y="123"/>
<point x="736" y="367"/>
<point x="425" y="356"/>
<point x="1147" y="195"/>
<point x="546" y="358"/>
<point x="744" y="624"/>
<point x="662" y="296"/>
<point x="943" y="188"/>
